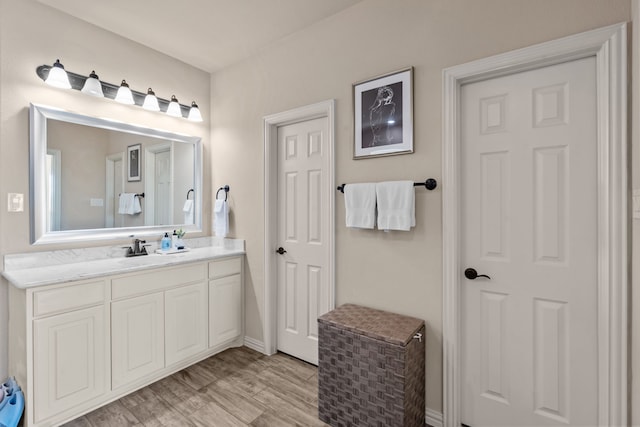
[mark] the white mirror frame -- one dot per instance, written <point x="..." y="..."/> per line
<point x="38" y="116"/>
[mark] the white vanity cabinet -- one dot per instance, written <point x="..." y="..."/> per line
<point x="137" y="338"/>
<point x="225" y="300"/>
<point x="78" y="345"/>
<point x="158" y="318"/>
<point x="70" y="342"/>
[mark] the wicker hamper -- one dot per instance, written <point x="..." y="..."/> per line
<point x="370" y="368"/>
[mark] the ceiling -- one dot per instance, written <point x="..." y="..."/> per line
<point x="208" y="34"/>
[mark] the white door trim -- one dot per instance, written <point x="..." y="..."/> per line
<point x="271" y="124"/>
<point x="110" y="219"/>
<point x="609" y="47"/>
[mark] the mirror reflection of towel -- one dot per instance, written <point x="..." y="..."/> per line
<point x="129" y="204"/>
<point x="221" y="218"/>
<point x="188" y="211"/>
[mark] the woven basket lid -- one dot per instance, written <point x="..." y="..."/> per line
<point x="382" y="325"/>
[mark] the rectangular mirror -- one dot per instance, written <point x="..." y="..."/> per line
<point x="94" y="178"/>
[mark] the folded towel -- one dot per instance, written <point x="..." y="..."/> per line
<point x="396" y="205"/>
<point x="360" y="205"/>
<point x="221" y="218"/>
<point x="188" y="211"/>
<point x="129" y="204"/>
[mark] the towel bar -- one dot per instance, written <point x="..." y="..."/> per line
<point x="430" y="184"/>
<point x="137" y="195"/>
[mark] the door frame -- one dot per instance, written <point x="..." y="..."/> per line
<point x="609" y="46"/>
<point x="110" y="219"/>
<point x="271" y="124"/>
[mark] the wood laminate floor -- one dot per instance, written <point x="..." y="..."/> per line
<point x="238" y="387"/>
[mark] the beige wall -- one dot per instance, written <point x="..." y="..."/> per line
<point x="394" y="271"/>
<point x="82" y="162"/>
<point x="32" y="34"/>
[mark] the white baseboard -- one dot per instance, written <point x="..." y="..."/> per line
<point x="433" y="418"/>
<point x="254" y="344"/>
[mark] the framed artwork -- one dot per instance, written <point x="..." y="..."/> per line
<point x="383" y="115"/>
<point x="133" y="162"/>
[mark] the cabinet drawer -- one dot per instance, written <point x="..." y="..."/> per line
<point x="156" y="280"/>
<point x="224" y="268"/>
<point x="67" y="298"/>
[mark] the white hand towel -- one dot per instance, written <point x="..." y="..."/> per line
<point x="221" y="218"/>
<point x="188" y="211"/>
<point x="128" y="204"/>
<point x="360" y="205"/>
<point x="396" y="205"/>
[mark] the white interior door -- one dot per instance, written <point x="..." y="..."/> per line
<point x="529" y="337"/>
<point x="303" y="232"/>
<point x="163" y="206"/>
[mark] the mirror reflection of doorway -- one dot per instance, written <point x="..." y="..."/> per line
<point x="53" y="173"/>
<point x="115" y="186"/>
<point x="163" y="188"/>
<point x="158" y="181"/>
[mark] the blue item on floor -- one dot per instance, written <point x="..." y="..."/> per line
<point x="12" y="403"/>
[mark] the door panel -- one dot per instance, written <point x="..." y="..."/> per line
<point x="529" y="333"/>
<point x="303" y="227"/>
<point x="70" y="363"/>
<point x="186" y="314"/>
<point x="137" y="337"/>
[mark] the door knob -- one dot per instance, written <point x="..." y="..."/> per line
<point x="472" y="274"/>
<point x="280" y="250"/>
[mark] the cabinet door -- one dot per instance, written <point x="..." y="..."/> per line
<point x="69" y="360"/>
<point x="185" y="322"/>
<point x="137" y="337"/>
<point x="225" y="309"/>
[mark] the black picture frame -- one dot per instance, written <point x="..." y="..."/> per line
<point x="383" y="115"/>
<point x="134" y="157"/>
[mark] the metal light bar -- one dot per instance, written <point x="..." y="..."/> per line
<point x="110" y="90"/>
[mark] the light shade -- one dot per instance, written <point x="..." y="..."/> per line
<point x="124" y="94"/>
<point x="194" y="113"/>
<point x="92" y="86"/>
<point x="58" y="76"/>
<point x="174" y="107"/>
<point x="150" y="101"/>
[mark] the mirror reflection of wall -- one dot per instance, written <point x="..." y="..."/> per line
<point x="83" y="190"/>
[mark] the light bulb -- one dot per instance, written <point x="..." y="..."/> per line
<point x="124" y="94"/>
<point x="194" y="113"/>
<point x="174" y="107"/>
<point x="58" y="76"/>
<point x="150" y="101"/>
<point x="92" y="86"/>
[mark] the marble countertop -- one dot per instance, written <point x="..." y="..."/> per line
<point x="55" y="267"/>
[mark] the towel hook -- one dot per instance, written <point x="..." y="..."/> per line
<point x="189" y="192"/>
<point x="226" y="192"/>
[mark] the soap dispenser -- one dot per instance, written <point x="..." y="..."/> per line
<point x="174" y="240"/>
<point x="166" y="242"/>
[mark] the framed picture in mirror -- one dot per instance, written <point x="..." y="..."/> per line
<point x="133" y="156"/>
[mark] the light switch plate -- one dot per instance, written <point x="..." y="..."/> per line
<point x="96" y="202"/>
<point x="15" y="202"/>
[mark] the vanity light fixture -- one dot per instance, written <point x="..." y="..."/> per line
<point x="124" y="95"/>
<point x="194" y="113"/>
<point x="173" y="109"/>
<point x="92" y="86"/>
<point x="150" y="101"/>
<point x="58" y="76"/>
